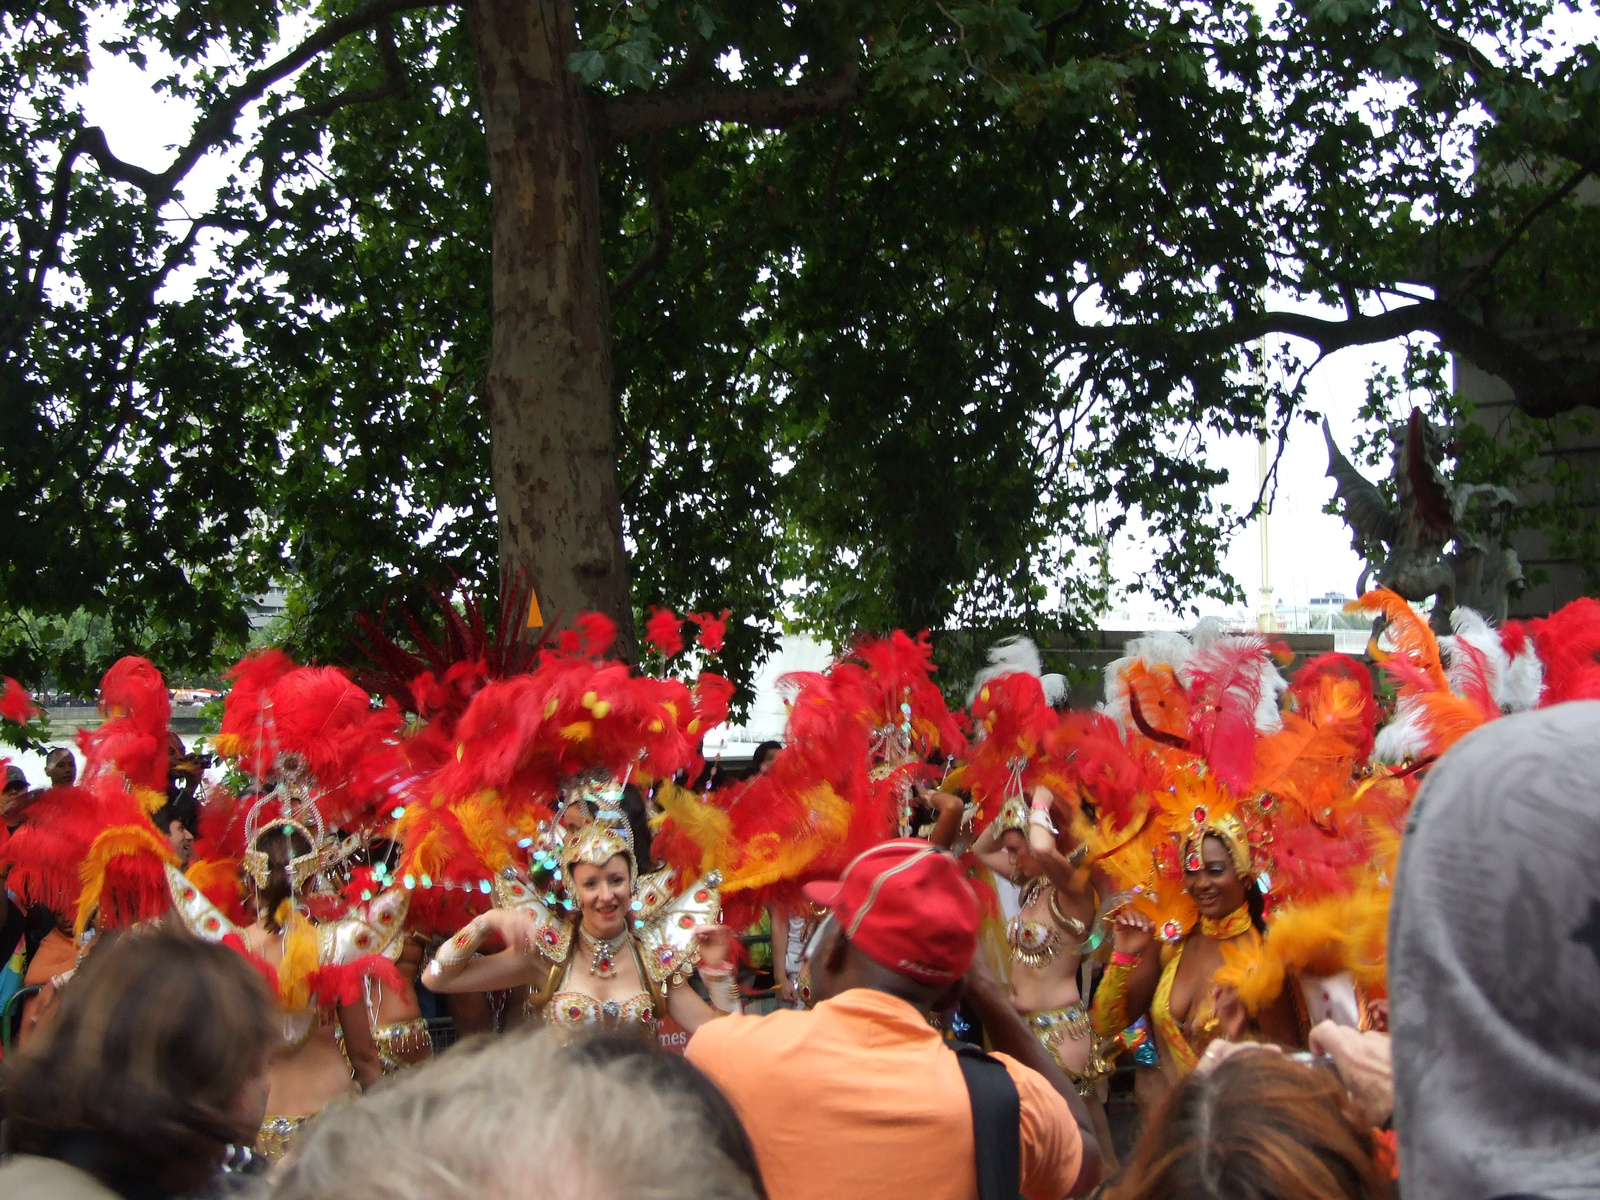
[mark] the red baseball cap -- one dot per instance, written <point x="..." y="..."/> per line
<point x="907" y="906"/>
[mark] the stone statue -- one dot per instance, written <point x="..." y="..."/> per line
<point x="1405" y="542"/>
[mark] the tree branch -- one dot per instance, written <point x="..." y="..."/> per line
<point x="211" y="130"/>
<point x="1570" y="139"/>
<point x="92" y="139"/>
<point x="218" y="123"/>
<point x="17" y="324"/>
<point x="625" y="117"/>
<point x="394" y="84"/>
<point x="1543" y="387"/>
<point x="1482" y="272"/>
<point x="661" y="219"/>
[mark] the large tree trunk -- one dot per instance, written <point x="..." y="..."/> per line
<point x="549" y="385"/>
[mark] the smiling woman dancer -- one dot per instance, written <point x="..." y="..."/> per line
<point x="630" y="965"/>
<point x="1187" y="1010"/>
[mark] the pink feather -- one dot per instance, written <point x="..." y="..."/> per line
<point x="1224" y="693"/>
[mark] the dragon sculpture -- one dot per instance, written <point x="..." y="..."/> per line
<point x="1404" y="542"/>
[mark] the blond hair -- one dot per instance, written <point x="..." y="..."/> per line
<point x="517" y="1116"/>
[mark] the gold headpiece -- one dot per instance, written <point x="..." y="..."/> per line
<point x="302" y="867"/>
<point x="608" y="835"/>
<point x="1228" y="829"/>
<point x="598" y="788"/>
<point x="1013" y="816"/>
<point x="299" y="815"/>
<point x="597" y="843"/>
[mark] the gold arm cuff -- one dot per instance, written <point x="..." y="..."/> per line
<point x="455" y="953"/>
<point x="723" y="988"/>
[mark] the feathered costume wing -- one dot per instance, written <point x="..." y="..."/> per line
<point x="89" y="852"/>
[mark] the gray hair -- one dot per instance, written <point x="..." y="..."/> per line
<point x="1494" y="964"/>
<point x="515" y="1117"/>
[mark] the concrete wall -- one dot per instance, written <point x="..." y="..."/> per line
<point x="1567" y="580"/>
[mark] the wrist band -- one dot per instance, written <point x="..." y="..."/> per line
<point x="1119" y="959"/>
<point x="1041" y="804"/>
<point x="1041" y="818"/>
<point x="723" y="990"/>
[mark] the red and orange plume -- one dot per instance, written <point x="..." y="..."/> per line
<point x="1016" y="724"/>
<point x="1429" y="717"/>
<point x="247" y="712"/>
<point x="1229" y="681"/>
<point x="713" y="629"/>
<point x="664" y="631"/>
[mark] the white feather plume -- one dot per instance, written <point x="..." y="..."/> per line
<point x="1405" y="736"/>
<point x="1474" y="629"/>
<point x="1523" y="681"/>
<point x="1269" y="712"/>
<point x="1018" y="655"/>
<point x="1207" y="632"/>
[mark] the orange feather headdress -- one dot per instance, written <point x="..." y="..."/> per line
<point x="1430" y="716"/>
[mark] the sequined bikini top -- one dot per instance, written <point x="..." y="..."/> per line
<point x="1031" y="942"/>
<point x="572" y="1010"/>
<point x="1034" y="943"/>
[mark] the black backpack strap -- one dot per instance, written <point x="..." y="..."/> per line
<point x="996" y="1123"/>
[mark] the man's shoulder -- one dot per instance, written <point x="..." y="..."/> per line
<point x="1052" y="1147"/>
<point x="1036" y="1092"/>
<point x="749" y="1030"/>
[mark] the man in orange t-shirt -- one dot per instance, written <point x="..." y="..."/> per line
<point x="860" y="1097"/>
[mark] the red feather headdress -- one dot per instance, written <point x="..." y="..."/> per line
<point x="1568" y="641"/>
<point x="132" y="741"/>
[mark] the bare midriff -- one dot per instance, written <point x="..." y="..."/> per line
<point x="1052" y="985"/>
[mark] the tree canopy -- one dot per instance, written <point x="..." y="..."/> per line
<point x="913" y="306"/>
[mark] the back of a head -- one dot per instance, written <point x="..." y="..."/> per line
<point x="1494" y="964"/>
<point x="1258" y="1127"/>
<point x="280" y="845"/>
<point x="673" y="1079"/>
<point x="519" y="1116"/>
<point x="907" y="917"/>
<point x="157" y="1037"/>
